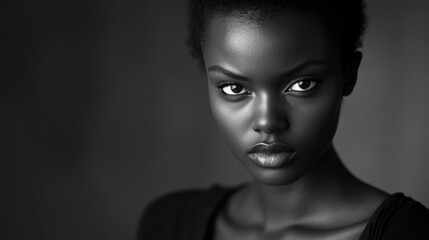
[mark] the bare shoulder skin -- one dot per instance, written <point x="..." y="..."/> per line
<point x="276" y="91"/>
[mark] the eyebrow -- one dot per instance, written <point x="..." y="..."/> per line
<point x="217" y="68"/>
<point x="291" y="72"/>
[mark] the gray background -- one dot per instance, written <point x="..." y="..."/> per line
<point x="103" y="109"/>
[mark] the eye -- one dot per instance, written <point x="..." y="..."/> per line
<point x="233" y="89"/>
<point x="302" y="86"/>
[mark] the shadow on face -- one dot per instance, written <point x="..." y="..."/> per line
<point x="276" y="81"/>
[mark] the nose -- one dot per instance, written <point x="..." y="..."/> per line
<point x="270" y="114"/>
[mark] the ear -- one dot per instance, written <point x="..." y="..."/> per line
<point x="351" y="72"/>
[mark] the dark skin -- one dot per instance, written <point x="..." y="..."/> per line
<point x="283" y="80"/>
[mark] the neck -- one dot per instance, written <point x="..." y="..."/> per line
<point x="324" y="184"/>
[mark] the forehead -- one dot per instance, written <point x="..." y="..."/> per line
<point x="252" y="48"/>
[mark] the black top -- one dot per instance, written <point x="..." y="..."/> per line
<point x="190" y="215"/>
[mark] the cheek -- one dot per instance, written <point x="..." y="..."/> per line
<point x="315" y="122"/>
<point x="233" y="119"/>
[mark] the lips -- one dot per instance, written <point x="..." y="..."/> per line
<point x="271" y="155"/>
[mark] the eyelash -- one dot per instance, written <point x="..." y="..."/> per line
<point x="316" y="82"/>
<point x="221" y="85"/>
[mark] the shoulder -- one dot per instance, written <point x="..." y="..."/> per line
<point x="180" y="211"/>
<point x="399" y="217"/>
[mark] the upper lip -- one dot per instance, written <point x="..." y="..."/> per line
<point x="270" y="148"/>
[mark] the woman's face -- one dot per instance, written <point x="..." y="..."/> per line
<point x="275" y="91"/>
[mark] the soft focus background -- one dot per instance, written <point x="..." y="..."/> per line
<point x="103" y="109"/>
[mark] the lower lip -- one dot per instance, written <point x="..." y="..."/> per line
<point x="272" y="160"/>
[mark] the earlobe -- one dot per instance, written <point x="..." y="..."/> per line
<point x="351" y="72"/>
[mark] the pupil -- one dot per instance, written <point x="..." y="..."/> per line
<point x="304" y="84"/>
<point x="236" y="88"/>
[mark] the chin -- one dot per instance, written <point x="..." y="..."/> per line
<point x="276" y="176"/>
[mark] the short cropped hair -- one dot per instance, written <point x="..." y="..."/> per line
<point x="346" y="17"/>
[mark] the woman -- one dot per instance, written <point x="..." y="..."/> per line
<point x="277" y="73"/>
